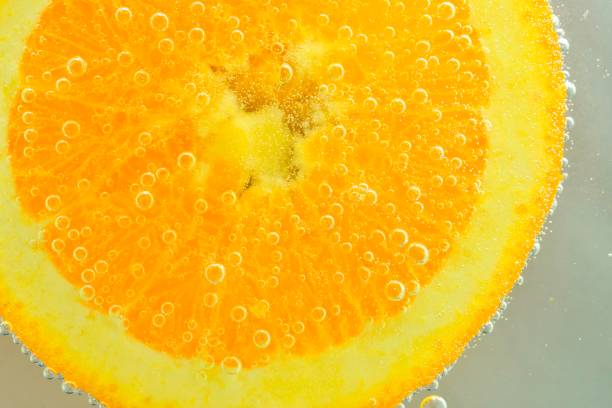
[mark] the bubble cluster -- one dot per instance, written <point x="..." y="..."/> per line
<point x="274" y="187"/>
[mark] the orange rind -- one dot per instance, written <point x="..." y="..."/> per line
<point x="305" y="204"/>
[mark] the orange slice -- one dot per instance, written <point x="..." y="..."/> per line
<point x="304" y="204"/>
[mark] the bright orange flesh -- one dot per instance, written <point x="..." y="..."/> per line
<point x="237" y="181"/>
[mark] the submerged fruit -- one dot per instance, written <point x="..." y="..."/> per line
<point x="282" y="204"/>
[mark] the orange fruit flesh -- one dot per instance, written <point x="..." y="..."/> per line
<point x="233" y="194"/>
<point x="274" y="204"/>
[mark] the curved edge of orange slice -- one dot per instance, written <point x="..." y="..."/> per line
<point x="527" y="116"/>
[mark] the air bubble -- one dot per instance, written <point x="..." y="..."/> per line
<point x="231" y="365"/>
<point x="339" y="131"/>
<point x="28" y="95"/>
<point x="63" y="84"/>
<point x="83" y="184"/>
<point x="27" y="117"/>
<point x="437" y="180"/>
<point x="88" y="275"/>
<point x="167" y="308"/>
<point x="159" y="21"/>
<point x="421" y="64"/>
<point x="58" y="245"/>
<point x="203" y="99"/>
<point x="144" y="200"/>
<point x="398" y="106"/>
<point x="237" y="36"/>
<point x="233" y="21"/>
<point x="288" y="341"/>
<point x="433" y="401"/>
<point x="79" y="254"/>
<point x="571" y="89"/>
<point x="345" y="32"/>
<point x="187" y="337"/>
<point x="123" y="15"/>
<point x="62" y="222"/>
<point x="318" y="314"/>
<point x="435" y="384"/>
<point x="323" y="19"/>
<point x="229" y="198"/>
<point x="71" y="129"/>
<point x="53" y="202"/>
<point x="419" y="252"/>
<point x="464" y="41"/>
<point x="200" y="206"/>
<point x="141" y="77"/>
<point x="165" y="46"/>
<point x="30" y="135"/>
<point x="456" y="163"/>
<point x="69" y="387"/>
<point x="5" y="328"/>
<point x="235" y="258"/>
<point x="159" y="320"/>
<point x="420" y="96"/>
<point x="261" y="338"/>
<point x="137" y="270"/>
<point x="447" y="10"/>
<point x="145" y="138"/>
<point x="76" y="66"/>
<point x="461" y="139"/>
<point x="197" y="35"/>
<point x="186" y="160"/>
<point x="169" y="236"/>
<point x="147" y="179"/>
<point x="48" y="373"/>
<point x="125" y="58"/>
<point x="197" y="7"/>
<point x="370" y="104"/>
<point x="335" y="71"/>
<point x="328" y="222"/>
<point x="62" y="147"/>
<point x="215" y="273"/>
<point x="389" y="56"/>
<point x="238" y="314"/>
<point x="286" y="72"/>
<point x="395" y="291"/>
<point x="211" y="299"/>
<point x="398" y="237"/>
<point x="325" y="190"/>
<point x="273" y="238"/>
<point x="87" y="293"/>
<point x="298" y="327"/>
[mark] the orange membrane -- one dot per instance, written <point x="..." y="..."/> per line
<point x="235" y="181"/>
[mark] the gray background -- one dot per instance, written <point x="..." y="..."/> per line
<point x="553" y="347"/>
